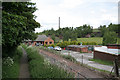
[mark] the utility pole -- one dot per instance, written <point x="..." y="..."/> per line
<point x="59" y="22"/>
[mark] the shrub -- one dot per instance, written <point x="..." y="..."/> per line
<point x="11" y="65"/>
<point x="69" y="58"/>
<point x="52" y="45"/>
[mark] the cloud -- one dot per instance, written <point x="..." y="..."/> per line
<point x="75" y="13"/>
<point x="70" y="3"/>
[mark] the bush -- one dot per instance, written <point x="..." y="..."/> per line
<point x="24" y="45"/>
<point x="110" y="37"/>
<point x="52" y="45"/>
<point x="69" y="58"/>
<point x="11" y="65"/>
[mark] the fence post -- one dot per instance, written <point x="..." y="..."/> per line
<point x="116" y="70"/>
<point x="82" y="59"/>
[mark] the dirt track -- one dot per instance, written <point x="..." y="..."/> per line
<point x="24" y="72"/>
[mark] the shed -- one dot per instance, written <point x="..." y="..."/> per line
<point x="105" y="53"/>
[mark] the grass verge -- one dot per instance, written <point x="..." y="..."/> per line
<point x="102" y="62"/>
<point x="11" y="66"/>
<point x="41" y="68"/>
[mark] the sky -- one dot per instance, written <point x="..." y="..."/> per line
<point x="75" y="13"/>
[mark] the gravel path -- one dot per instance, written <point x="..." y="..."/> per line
<point x="80" y="71"/>
<point x="24" y="71"/>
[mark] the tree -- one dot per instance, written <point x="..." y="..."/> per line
<point x="102" y="29"/>
<point x="73" y="36"/>
<point x="18" y="24"/>
<point x="83" y="30"/>
<point x="53" y="37"/>
<point x="109" y="37"/>
<point x="66" y="36"/>
<point x="115" y="28"/>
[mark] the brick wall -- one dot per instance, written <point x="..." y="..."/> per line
<point x="48" y="40"/>
<point x="85" y="49"/>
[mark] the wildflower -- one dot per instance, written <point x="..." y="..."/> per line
<point x="8" y="61"/>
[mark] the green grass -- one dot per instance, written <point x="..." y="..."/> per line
<point x="12" y="71"/>
<point x="102" y="62"/>
<point x="98" y="40"/>
<point x="41" y="68"/>
<point x="100" y="70"/>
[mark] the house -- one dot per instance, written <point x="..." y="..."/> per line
<point x="41" y="40"/>
<point x="105" y="53"/>
<point x="88" y="36"/>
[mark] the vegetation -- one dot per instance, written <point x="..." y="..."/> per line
<point x="78" y="33"/>
<point x="102" y="61"/>
<point x="102" y="29"/>
<point x="64" y="44"/>
<point x="11" y="65"/>
<point x="18" y="24"/>
<point x="100" y="70"/>
<point x="109" y="38"/>
<point x="41" y="68"/>
<point x="69" y="58"/>
<point x="69" y="32"/>
<point x="97" y="40"/>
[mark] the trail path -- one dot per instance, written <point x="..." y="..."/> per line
<point x="24" y="71"/>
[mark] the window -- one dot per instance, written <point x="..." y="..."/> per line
<point x="45" y="42"/>
<point x="50" y="42"/>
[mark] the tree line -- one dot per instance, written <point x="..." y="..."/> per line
<point x="69" y="32"/>
<point x="107" y="32"/>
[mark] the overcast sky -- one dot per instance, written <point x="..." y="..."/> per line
<point x="75" y="13"/>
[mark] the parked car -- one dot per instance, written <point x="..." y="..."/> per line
<point x="57" y="48"/>
<point x="37" y="44"/>
<point x="50" y="47"/>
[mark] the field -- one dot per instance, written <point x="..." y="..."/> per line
<point x="98" y="40"/>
